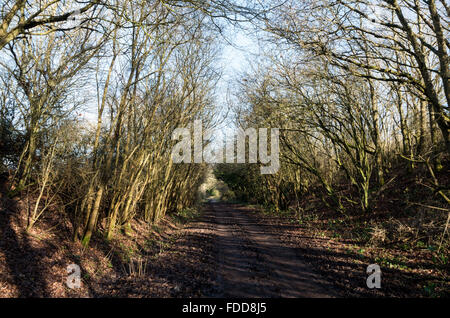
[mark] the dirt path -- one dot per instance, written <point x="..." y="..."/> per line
<point x="224" y="253"/>
<point x="253" y="263"/>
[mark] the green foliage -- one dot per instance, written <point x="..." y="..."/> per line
<point x="229" y="196"/>
<point x="433" y="289"/>
<point x="212" y="192"/>
<point x="186" y="215"/>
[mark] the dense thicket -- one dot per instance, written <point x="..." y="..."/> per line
<point x="360" y="92"/>
<point x="90" y="94"/>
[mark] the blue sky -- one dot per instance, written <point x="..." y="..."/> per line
<point x="235" y="59"/>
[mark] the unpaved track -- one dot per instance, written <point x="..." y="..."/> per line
<point x="252" y="263"/>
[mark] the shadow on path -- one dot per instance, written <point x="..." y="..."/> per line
<point x="253" y="263"/>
